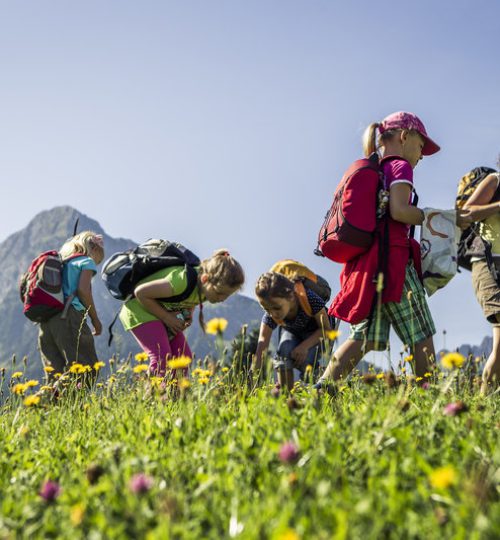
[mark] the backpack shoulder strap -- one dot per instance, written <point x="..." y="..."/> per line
<point x="301" y="293"/>
<point x="192" y="282"/>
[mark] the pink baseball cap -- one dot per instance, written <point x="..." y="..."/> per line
<point x="408" y="120"/>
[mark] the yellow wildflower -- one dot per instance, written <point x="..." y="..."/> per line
<point x="418" y="379"/>
<point x="452" y="360"/>
<point x="140" y="368"/>
<point x="203" y="380"/>
<point x="380" y="375"/>
<point x="17" y="375"/>
<point x="32" y="400"/>
<point x="197" y="371"/>
<point x="76" y="368"/>
<point x="156" y="381"/>
<point x="443" y="477"/>
<point x="184" y="384"/>
<point x="409" y="358"/>
<point x="216" y="326"/>
<point x="181" y="362"/>
<point x="19" y="388"/>
<point x="45" y="388"/>
<point x="48" y="369"/>
<point x="31" y="383"/>
<point x="427" y="374"/>
<point x="141" y="357"/>
<point x="332" y="334"/>
<point x="288" y="534"/>
<point x="98" y="365"/>
<point x="57" y="375"/>
<point x="226" y="369"/>
<point x="77" y="514"/>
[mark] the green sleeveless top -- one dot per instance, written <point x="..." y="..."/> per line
<point x="134" y="314"/>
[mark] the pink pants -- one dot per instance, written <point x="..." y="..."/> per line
<point x="153" y="339"/>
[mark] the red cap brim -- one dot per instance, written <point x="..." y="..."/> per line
<point x="430" y="147"/>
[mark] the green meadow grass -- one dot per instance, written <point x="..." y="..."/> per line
<point x="365" y="466"/>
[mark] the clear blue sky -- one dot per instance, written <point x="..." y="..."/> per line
<point x="228" y="124"/>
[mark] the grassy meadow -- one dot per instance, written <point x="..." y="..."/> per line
<point x="213" y="457"/>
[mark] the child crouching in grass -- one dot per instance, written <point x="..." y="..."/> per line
<point x="303" y="321"/>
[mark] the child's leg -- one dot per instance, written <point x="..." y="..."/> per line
<point x="283" y="362"/>
<point x="364" y="337"/>
<point x="51" y="355"/>
<point x="412" y="321"/>
<point x="153" y="339"/>
<point x="491" y="372"/>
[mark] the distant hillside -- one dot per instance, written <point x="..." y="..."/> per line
<point x="49" y="230"/>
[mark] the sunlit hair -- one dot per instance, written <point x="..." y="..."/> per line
<point x="372" y="141"/>
<point x="222" y="270"/>
<point x="83" y="243"/>
<point x="273" y="285"/>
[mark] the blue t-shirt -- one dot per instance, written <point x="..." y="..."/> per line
<point x="72" y="270"/>
<point x="302" y="324"/>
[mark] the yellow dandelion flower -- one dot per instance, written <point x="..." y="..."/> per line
<point x="19" y="389"/>
<point x="32" y="400"/>
<point x="48" y="369"/>
<point x="31" y="383"/>
<point x="100" y="385"/>
<point x="98" y="365"/>
<point x="77" y="514"/>
<point x="75" y="368"/>
<point x="17" y="375"/>
<point x="418" y="379"/>
<point x="427" y="374"/>
<point x="478" y="359"/>
<point x="443" y="477"/>
<point x="452" y="360"/>
<point x="226" y="369"/>
<point x="57" y="375"/>
<point x="216" y="326"/>
<point x="288" y="534"/>
<point x="380" y="375"/>
<point x="140" y="368"/>
<point x="409" y="358"/>
<point x="45" y="388"/>
<point x="332" y="334"/>
<point x="309" y="368"/>
<point x="155" y="381"/>
<point x="181" y="362"/>
<point x="203" y="380"/>
<point x="141" y="357"/>
<point x="184" y="384"/>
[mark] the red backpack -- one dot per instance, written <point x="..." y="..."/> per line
<point x="349" y="226"/>
<point x="41" y="287"/>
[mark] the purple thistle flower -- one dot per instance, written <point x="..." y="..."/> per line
<point x="50" y="491"/>
<point x="140" y="483"/>
<point x="289" y="453"/>
<point x="425" y="386"/>
<point x="455" y="408"/>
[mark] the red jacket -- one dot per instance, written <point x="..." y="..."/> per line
<point x="358" y="281"/>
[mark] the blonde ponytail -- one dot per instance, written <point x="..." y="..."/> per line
<point x="370" y="139"/>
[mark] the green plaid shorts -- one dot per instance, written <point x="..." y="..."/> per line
<point x="410" y="318"/>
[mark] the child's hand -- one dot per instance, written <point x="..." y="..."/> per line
<point x="299" y="354"/>
<point x="96" y="323"/>
<point x="464" y="218"/>
<point x="175" y="324"/>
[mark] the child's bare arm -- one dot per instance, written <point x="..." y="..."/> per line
<point x="400" y="208"/>
<point x="84" y="293"/>
<point x="148" y="293"/>
<point x="300" y="352"/>
<point x="479" y="204"/>
<point x="265" y="334"/>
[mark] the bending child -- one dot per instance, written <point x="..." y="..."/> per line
<point x="158" y="324"/>
<point x="303" y="321"/>
<point x="66" y="338"/>
<point x="402" y="141"/>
